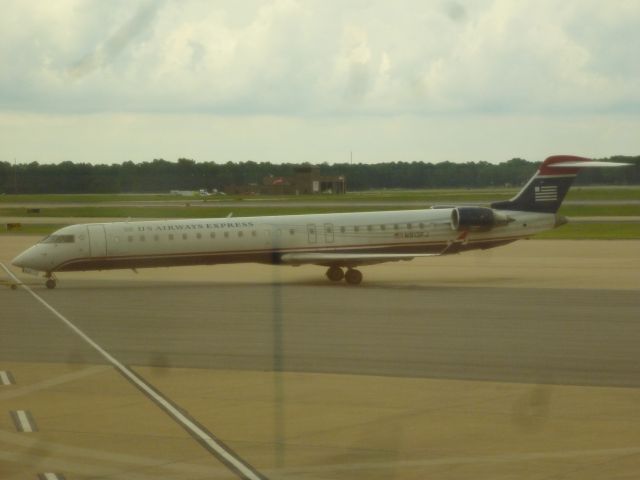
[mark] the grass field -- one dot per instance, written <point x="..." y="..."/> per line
<point x="593" y="231"/>
<point x="181" y="212"/>
<point x="604" y="193"/>
<point x="600" y="210"/>
<point x="89" y="198"/>
<point x="595" y="193"/>
<point x="215" y="207"/>
<point x="251" y="211"/>
<point x="29" y="229"/>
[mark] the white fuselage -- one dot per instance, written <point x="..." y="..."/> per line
<point x="138" y="244"/>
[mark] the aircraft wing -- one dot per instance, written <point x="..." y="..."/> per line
<point x="349" y="259"/>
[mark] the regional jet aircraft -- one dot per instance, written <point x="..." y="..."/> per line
<point x="339" y="241"/>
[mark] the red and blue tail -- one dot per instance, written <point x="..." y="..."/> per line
<point x="546" y="190"/>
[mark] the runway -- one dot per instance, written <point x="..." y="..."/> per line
<point x="482" y="365"/>
<point x="518" y="335"/>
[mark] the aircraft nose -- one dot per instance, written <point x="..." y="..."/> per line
<point x="24" y="260"/>
<point x="19" y="260"/>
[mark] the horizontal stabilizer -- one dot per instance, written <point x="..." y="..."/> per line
<point x="587" y="164"/>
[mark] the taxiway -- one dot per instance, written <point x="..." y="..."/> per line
<point x="521" y="361"/>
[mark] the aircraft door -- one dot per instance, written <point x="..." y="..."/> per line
<point x="312" y="233"/>
<point x="328" y="232"/>
<point x="97" y="240"/>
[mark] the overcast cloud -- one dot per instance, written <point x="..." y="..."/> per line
<point x="300" y="81"/>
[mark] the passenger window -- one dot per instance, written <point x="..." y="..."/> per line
<point x="212" y="234"/>
<point x="409" y="226"/>
<point x="422" y="225"/>
<point x="342" y="229"/>
<point x="395" y="226"/>
<point x="184" y="236"/>
<point x="142" y="238"/>
<point x="369" y="228"/>
<point x="130" y="238"/>
<point x="356" y="228"/>
<point x="156" y="237"/>
<point x="253" y="233"/>
<point x="291" y="231"/>
<point x="171" y="236"/>
<point x="226" y="234"/>
<point x="198" y="235"/>
<point x="240" y="233"/>
<point x="382" y="227"/>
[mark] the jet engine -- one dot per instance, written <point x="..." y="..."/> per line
<point x="477" y="218"/>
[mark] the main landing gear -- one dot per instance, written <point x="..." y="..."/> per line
<point x="335" y="274"/>
<point x="352" y="276"/>
<point x="51" y="281"/>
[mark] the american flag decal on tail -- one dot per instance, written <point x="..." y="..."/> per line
<point x="548" y="187"/>
<point x="546" y="193"/>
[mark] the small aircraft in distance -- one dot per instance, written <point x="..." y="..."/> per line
<point x="339" y="241"/>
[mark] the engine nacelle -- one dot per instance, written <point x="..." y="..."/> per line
<point x="477" y="218"/>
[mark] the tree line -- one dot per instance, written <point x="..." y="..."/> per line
<point x="186" y="174"/>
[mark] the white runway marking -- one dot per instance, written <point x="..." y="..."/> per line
<point x="50" y="476"/>
<point x="6" y="378"/>
<point x="52" y="382"/>
<point x="215" y="446"/>
<point x="23" y="421"/>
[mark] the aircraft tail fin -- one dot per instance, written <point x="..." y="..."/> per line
<point x="546" y="190"/>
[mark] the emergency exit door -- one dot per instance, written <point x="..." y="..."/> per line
<point x="312" y="233"/>
<point x="328" y="232"/>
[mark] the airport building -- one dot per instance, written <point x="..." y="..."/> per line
<point x="306" y="180"/>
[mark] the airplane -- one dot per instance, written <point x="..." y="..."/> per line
<point x="339" y="241"/>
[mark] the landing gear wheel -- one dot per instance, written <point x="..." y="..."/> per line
<point x="335" y="274"/>
<point x="353" y="277"/>
<point x="50" y="283"/>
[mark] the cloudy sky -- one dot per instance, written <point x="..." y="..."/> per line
<point x="307" y="80"/>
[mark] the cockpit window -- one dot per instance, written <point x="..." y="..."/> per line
<point x="59" y="239"/>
